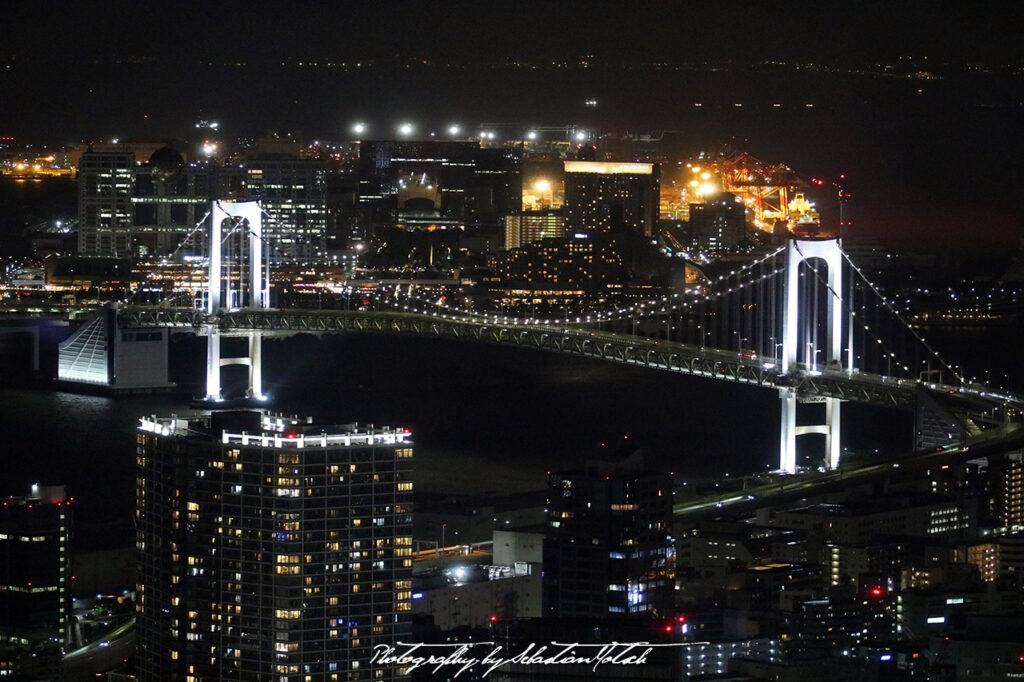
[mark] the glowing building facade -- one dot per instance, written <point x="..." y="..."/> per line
<point x="102" y="353"/>
<point x="609" y="196"/>
<point x="532" y="226"/>
<point x="582" y="263"/>
<point x="270" y="549"/>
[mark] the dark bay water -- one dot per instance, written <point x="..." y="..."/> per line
<point x="483" y="417"/>
<point x="24" y="203"/>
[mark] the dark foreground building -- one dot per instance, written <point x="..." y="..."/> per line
<point x="609" y="550"/>
<point x="35" y="577"/>
<point x="270" y="549"/>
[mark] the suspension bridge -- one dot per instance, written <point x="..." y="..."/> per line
<point x="802" y="320"/>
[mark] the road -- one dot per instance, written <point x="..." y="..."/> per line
<point x="84" y="663"/>
<point x="781" y="489"/>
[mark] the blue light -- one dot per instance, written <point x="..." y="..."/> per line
<point x="886" y="657"/>
<point x="417" y="595"/>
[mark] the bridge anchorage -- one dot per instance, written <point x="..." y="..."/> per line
<point x="239" y="279"/>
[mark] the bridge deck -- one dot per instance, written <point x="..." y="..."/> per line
<point x="658" y="354"/>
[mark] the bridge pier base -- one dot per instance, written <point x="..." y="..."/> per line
<point x="214" y="363"/>
<point x="213" y="393"/>
<point x="789" y="431"/>
<point x="787" y="442"/>
<point x="255" y="390"/>
<point x="832" y="441"/>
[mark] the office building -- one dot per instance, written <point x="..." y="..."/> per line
<point x="171" y="197"/>
<point x="293" y="193"/>
<point x="270" y="548"/>
<point x="864" y="522"/>
<point x="608" y="549"/>
<point x="611" y="197"/>
<point x="153" y="206"/>
<point x="106" y="182"/>
<point x="713" y="658"/>
<point x="35" y="583"/>
<point x="419" y="184"/>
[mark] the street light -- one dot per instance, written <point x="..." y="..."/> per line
<point x="812" y="356"/>
<point x="454" y="130"/>
<point x="405" y="129"/>
<point x="532" y="135"/>
<point x="359" y="128"/>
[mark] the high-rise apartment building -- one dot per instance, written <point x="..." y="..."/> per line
<point x="270" y="549"/>
<point x="609" y="196"/>
<point x="1007" y="485"/>
<point x="35" y="583"/>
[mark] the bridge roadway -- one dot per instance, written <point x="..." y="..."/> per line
<point x="646" y="352"/>
<point x="781" y="489"/>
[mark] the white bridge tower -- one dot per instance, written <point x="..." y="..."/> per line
<point x="798" y="251"/>
<point x="244" y="284"/>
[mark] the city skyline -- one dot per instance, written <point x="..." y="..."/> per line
<point x="703" y="321"/>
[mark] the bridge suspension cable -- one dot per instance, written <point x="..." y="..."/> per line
<point x="653" y="306"/>
<point x="131" y="295"/>
<point x="931" y="352"/>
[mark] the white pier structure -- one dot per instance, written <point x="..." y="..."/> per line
<point x="239" y="279"/>
<point x="798" y="251"/>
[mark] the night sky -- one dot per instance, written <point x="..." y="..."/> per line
<point x="937" y="158"/>
<point x="842" y="32"/>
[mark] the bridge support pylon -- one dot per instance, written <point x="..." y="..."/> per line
<point x="245" y="287"/>
<point x="798" y="251"/>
